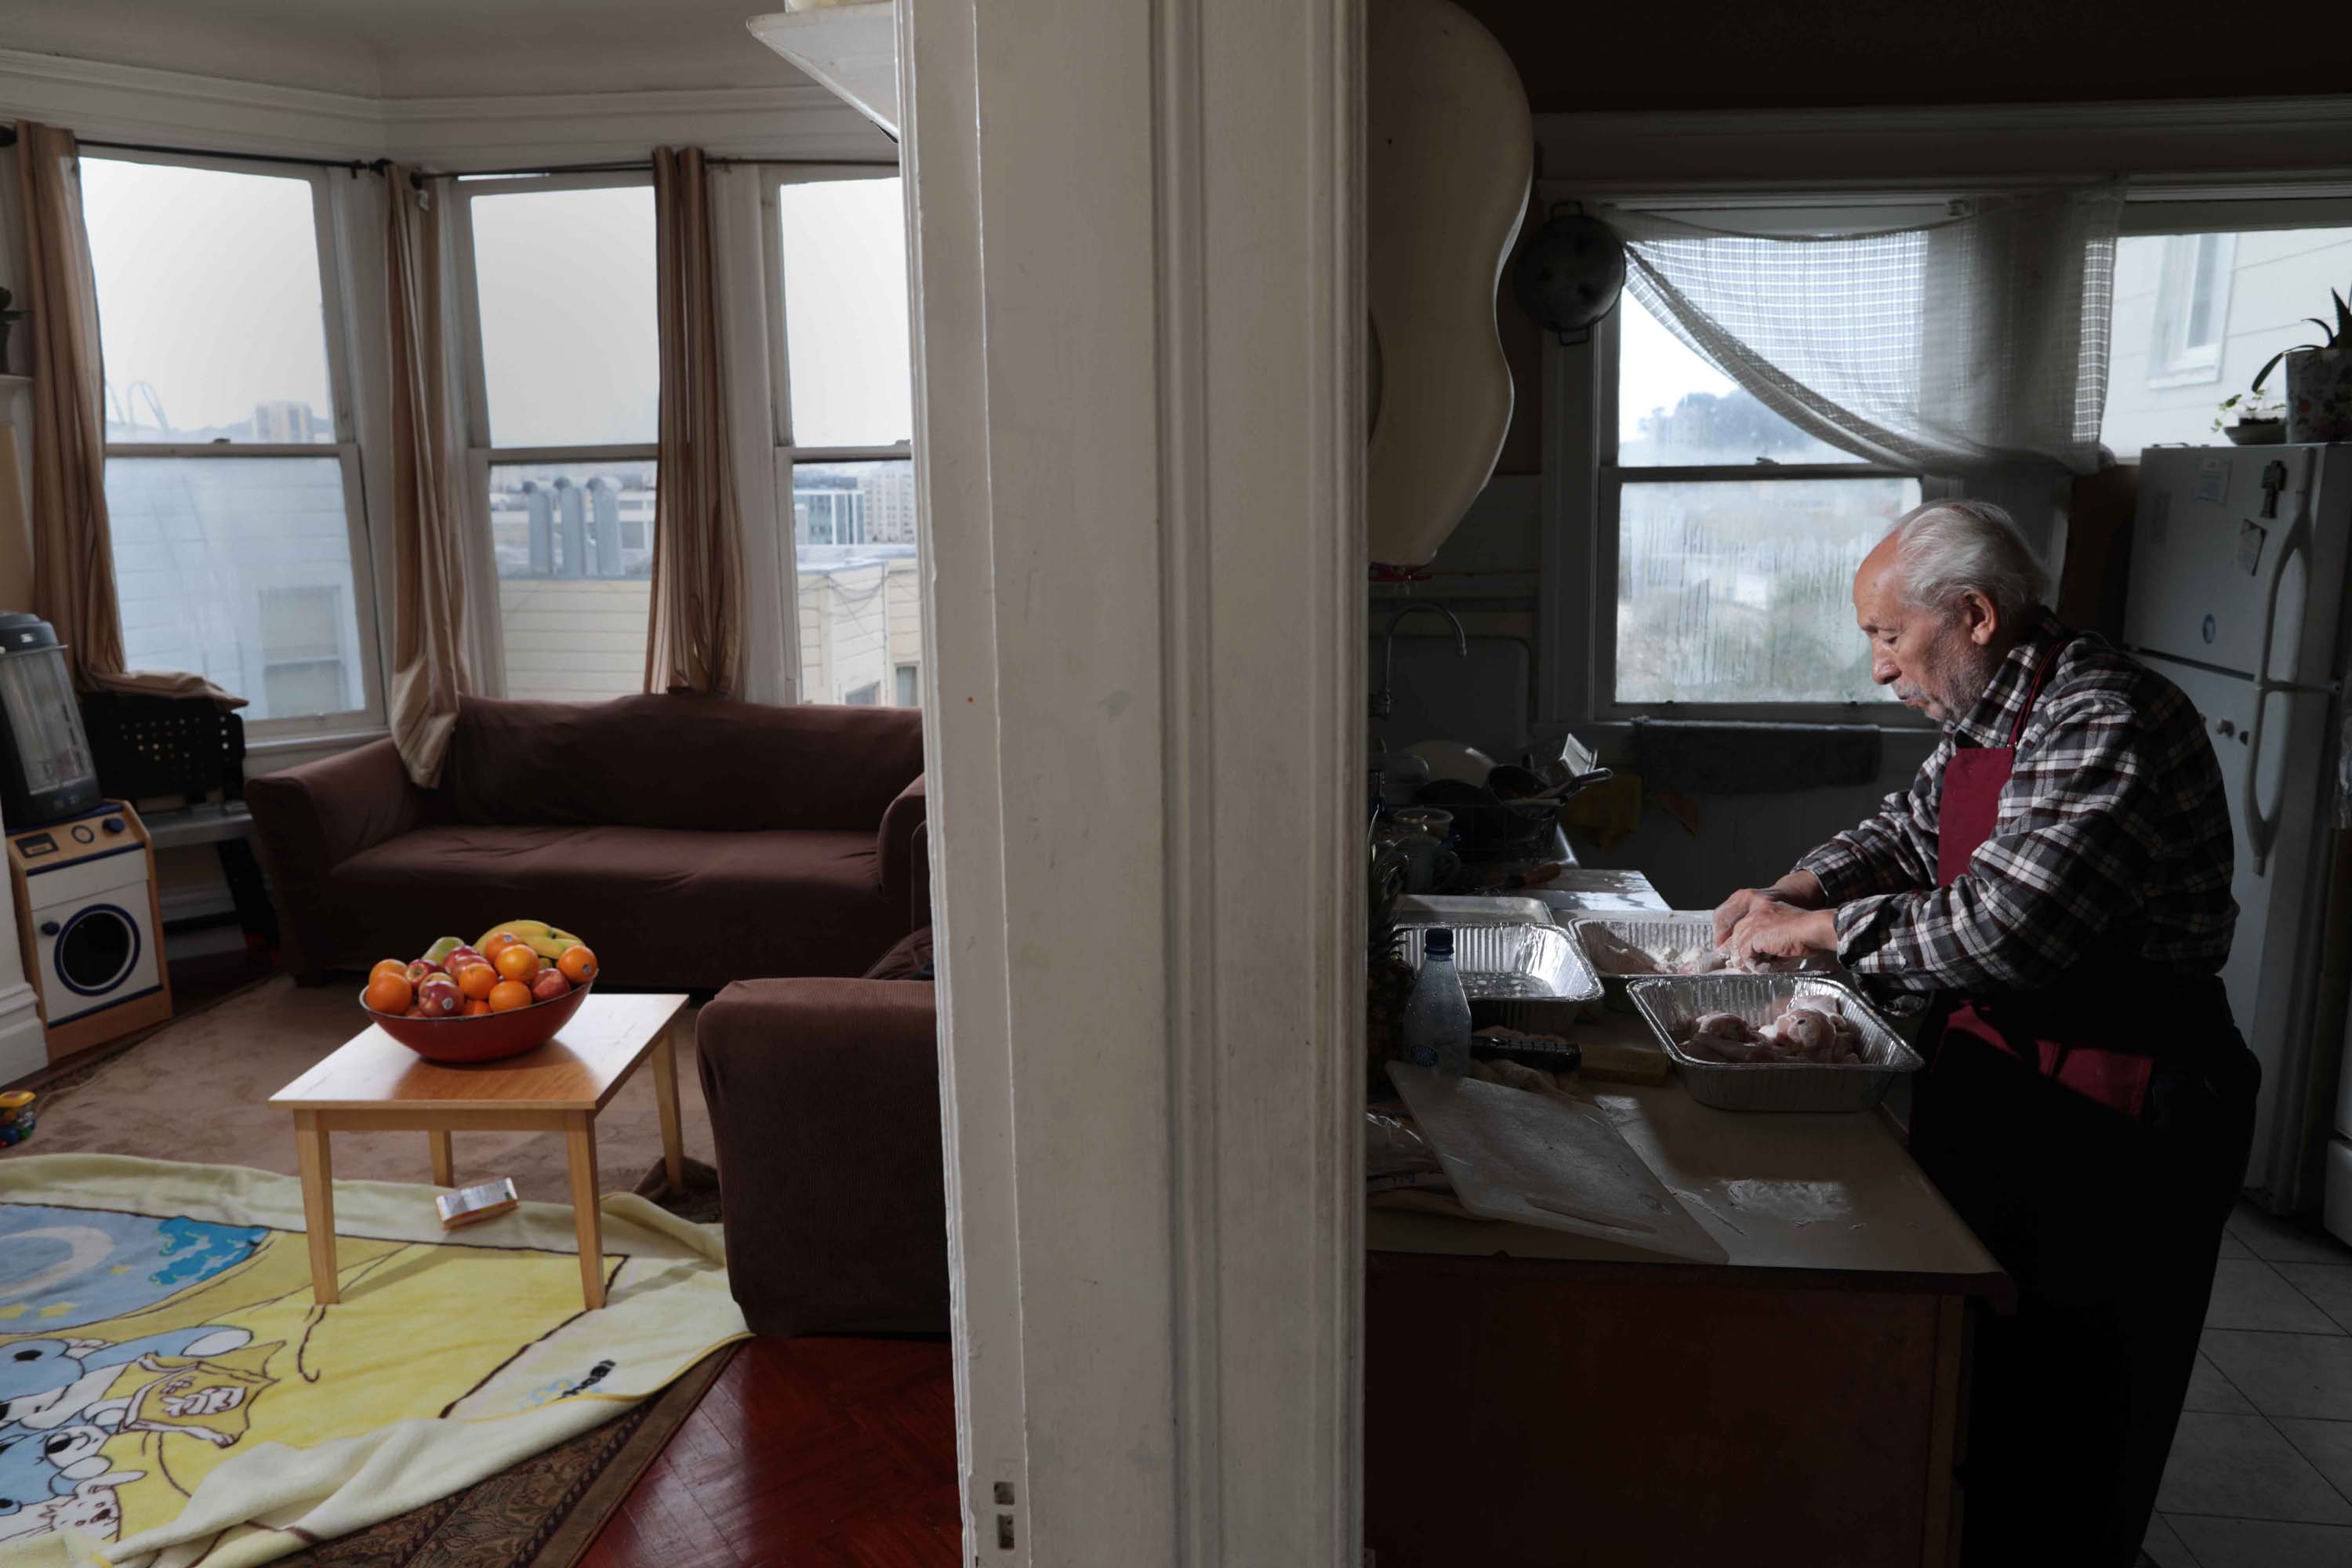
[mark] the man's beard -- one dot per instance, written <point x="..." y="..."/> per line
<point x="1950" y="685"/>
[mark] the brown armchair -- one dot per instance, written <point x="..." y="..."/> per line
<point x="824" y="1105"/>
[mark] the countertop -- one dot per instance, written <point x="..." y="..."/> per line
<point x="1830" y="1193"/>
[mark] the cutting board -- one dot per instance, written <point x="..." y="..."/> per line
<point x="1541" y="1158"/>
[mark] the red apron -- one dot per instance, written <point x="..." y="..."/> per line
<point x="1969" y="811"/>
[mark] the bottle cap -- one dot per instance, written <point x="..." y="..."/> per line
<point x="1437" y="940"/>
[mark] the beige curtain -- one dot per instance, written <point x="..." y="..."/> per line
<point x="73" y="548"/>
<point x="695" y="642"/>
<point x="430" y="667"/>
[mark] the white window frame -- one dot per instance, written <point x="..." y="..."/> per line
<point x="482" y="454"/>
<point x="789" y="454"/>
<point x="345" y="448"/>
<point x="1600" y="700"/>
<point x="2172" y="359"/>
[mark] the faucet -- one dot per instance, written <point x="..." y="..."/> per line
<point x="1384" y="700"/>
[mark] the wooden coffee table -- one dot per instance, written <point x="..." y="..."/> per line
<point x="375" y="1084"/>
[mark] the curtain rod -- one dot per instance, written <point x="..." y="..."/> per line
<point x="377" y="165"/>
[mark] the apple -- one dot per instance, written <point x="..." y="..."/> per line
<point x="421" y="970"/>
<point x="440" y="998"/>
<point x="442" y="948"/>
<point x="461" y="953"/>
<point x="416" y="1012"/>
<point x="548" y="984"/>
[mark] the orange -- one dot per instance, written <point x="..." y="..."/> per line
<point x="476" y="1008"/>
<point x="388" y="993"/>
<point x="475" y="980"/>
<point x="389" y="967"/>
<point x="498" y="942"/>
<point x="509" y="994"/>
<point x="517" y="961"/>
<point x="578" y="965"/>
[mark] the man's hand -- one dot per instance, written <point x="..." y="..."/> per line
<point x="1773" y="929"/>
<point x="1798" y="889"/>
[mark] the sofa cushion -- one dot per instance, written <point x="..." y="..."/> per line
<point x="661" y="906"/>
<point x="678" y="760"/>
<point x="910" y="960"/>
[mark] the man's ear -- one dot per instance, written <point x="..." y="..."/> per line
<point x="1981" y="617"/>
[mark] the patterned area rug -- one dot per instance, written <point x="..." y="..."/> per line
<point x="542" y="1513"/>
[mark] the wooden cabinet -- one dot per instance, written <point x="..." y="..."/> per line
<point x="1565" y="1412"/>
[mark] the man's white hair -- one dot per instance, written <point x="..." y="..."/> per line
<point x="1946" y="548"/>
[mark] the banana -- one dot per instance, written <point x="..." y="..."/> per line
<point x="538" y="936"/>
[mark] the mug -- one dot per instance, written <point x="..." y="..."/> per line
<point x="1428" y="865"/>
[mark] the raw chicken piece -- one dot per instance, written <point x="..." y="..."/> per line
<point x="1806" y="1032"/>
<point x="1612" y="954"/>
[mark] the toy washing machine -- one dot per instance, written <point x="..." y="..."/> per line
<point x="91" y="927"/>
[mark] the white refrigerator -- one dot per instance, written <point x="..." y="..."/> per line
<point x="2238" y="562"/>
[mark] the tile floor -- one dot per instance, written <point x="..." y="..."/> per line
<point x="2262" y="1469"/>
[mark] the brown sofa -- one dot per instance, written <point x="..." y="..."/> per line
<point x="691" y="840"/>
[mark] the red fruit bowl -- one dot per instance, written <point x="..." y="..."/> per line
<point x="485" y="1038"/>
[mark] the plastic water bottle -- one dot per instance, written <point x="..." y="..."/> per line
<point x="1437" y="1015"/>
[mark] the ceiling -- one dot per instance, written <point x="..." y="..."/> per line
<point x="416" y="48"/>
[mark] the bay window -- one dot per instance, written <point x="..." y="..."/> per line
<point x="232" y="472"/>
<point x="565" y="413"/>
<point x="844" y="423"/>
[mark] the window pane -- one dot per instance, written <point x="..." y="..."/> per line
<point x="860" y="604"/>
<point x="1673" y="409"/>
<point x="1741" y="590"/>
<point x="239" y="569"/>
<point x="845" y="312"/>
<point x="2163" y="384"/>
<point x="575" y="551"/>
<point x="209" y="314"/>
<point x="566" y="284"/>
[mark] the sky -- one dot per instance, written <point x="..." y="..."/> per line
<point x="208" y="292"/>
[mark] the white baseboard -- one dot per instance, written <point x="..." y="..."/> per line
<point x="23" y="1048"/>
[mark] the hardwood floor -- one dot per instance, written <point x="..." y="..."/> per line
<point x="809" y="1451"/>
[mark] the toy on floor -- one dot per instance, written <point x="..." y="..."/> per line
<point x="15" y="1116"/>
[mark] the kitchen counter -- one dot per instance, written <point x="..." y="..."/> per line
<point x="1836" y="1193"/>
<point x="1534" y="1396"/>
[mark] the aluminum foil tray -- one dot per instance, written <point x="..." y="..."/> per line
<point x="1672" y="1003"/>
<point x="1533" y="977"/>
<point x="1657" y="935"/>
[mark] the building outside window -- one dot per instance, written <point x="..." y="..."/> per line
<point x="566" y="413"/>
<point x="845" y="409"/>
<point x="231" y="473"/>
<point x="1736" y="538"/>
<point x="2197" y="314"/>
<point x="910" y="686"/>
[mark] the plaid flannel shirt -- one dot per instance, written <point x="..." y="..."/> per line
<point x="2113" y="838"/>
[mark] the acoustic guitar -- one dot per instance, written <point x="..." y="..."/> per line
<point x="1452" y="157"/>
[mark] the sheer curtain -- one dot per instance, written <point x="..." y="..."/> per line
<point x="1969" y="346"/>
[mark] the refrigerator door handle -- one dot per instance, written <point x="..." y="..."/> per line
<point x="2261" y="827"/>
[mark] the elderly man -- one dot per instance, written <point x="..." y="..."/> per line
<point x="2059" y="875"/>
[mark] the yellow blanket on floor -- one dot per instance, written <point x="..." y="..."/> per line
<point x="171" y="1398"/>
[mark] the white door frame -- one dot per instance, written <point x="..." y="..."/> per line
<point x="1137" y="310"/>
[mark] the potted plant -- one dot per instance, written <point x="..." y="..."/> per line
<point x="2261" y="421"/>
<point x="2318" y="380"/>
